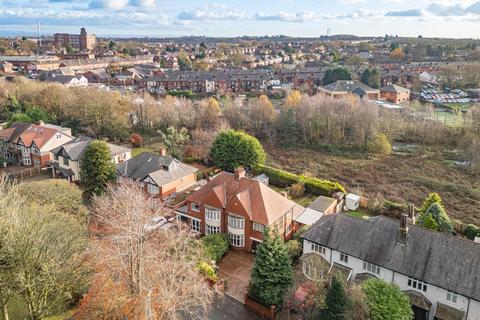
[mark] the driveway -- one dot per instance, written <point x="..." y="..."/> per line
<point x="235" y="268"/>
<point x="227" y="308"/>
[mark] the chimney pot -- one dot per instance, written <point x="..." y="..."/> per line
<point x="162" y="151"/>
<point x="403" y="230"/>
<point x="239" y="173"/>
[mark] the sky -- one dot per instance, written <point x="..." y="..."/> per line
<point x="309" y="18"/>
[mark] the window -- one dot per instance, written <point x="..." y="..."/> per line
<point x="65" y="161"/>
<point x="181" y="218"/>
<point x="195" y="206"/>
<point x="212" y="229"/>
<point x="371" y="268"/>
<point x="212" y="214"/>
<point x="236" y="223"/>
<point x="416" y="284"/>
<point x="153" y="189"/>
<point x="258" y="227"/>
<point x="452" y="297"/>
<point x="195" y="225"/>
<point x="317" y="248"/>
<point x="237" y="240"/>
<point x="56" y="157"/>
<point x="36" y="163"/>
<point x="343" y="257"/>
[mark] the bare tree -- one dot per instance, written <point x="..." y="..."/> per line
<point x="142" y="272"/>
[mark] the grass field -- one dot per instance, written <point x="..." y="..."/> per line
<point x="398" y="178"/>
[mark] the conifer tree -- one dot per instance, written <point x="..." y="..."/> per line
<point x="96" y="167"/>
<point x="336" y="302"/>
<point x="272" y="272"/>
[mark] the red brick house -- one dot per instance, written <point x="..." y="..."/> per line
<point x="30" y="144"/>
<point x="240" y="207"/>
<point x="395" y="94"/>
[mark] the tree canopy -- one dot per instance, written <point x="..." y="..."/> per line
<point x="333" y="75"/>
<point x="232" y="149"/>
<point x="386" y="301"/>
<point x="272" y="273"/>
<point x="96" y="167"/>
<point x="336" y="302"/>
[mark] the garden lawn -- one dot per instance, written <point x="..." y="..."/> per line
<point x="139" y="150"/>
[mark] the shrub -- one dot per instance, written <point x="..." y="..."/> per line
<point x="215" y="246"/>
<point x="136" y="140"/>
<point x="435" y="218"/>
<point x="386" y="301"/>
<point x="207" y="270"/>
<point x="471" y="231"/>
<point x="432" y="198"/>
<point x="380" y="145"/>
<point x="294" y="248"/>
<point x="297" y="190"/>
<point x="316" y="186"/>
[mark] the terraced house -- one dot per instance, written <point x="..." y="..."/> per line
<point x="241" y="207"/>
<point x="439" y="272"/>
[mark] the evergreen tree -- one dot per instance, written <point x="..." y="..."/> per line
<point x="272" y="272"/>
<point x="232" y="149"/>
<point x="432" y="198"/>
<point x="435" y="218"/>
<point x="332" y="75"/>
<point x="97" y="168"/>
<point x="371" y="78"/>
<point x="336" y="302"/>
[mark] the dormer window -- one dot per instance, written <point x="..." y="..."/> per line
<point x="195" y="207"/>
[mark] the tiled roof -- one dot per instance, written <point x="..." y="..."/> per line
<point x="248" y="196"/>
<point x="394" y="88"/>
<point x="436" y="258"/>
<point x="28" y="133"/>
<point x="348" y="86"/>
<point x="152" y="165"/>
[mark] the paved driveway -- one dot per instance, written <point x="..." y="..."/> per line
<point x="236" y="267"/>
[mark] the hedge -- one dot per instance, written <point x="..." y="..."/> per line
<point x="315" y="186"/>
<point x="215" y="245"/>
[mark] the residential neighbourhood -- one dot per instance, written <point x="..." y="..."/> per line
<point x="280" y="160"/>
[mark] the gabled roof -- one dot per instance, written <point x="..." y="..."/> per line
<point x="75" y="149"/>
<point x="436" y="258"/>
<point x="28" y="133"/>
<point x="245" y="196"/>
<point x="160" y="169"/>
<point x="394" y="88"/>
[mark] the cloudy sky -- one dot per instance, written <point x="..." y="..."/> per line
<point x="441" y="18"/>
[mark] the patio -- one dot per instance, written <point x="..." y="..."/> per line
<point x="235" y="268"/>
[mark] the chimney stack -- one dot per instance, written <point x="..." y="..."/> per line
<point x="162" y="151"/>
<point x="411" y="213"/>
<point x="403" y="230"/>
<point x="239" y="173"/>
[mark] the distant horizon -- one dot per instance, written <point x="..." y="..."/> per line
<point x="221" y="18"/>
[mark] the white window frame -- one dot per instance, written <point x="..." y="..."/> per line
<point x="212" y="229"/>
<point x="258" y="227"/>
<point x="344" y="257"/>
<point x="237" y="240"/>
<point x="153" y="189"/>
<point x="36" y="163"/>
<point x="417" y="284"/>
<point x="236" y="222"/>
<point x="452" y="297"/>
<point x="371" y="268"/>
<point x="212" y="214"/>
<point x="195" y="207"/>
<point x="317" y="248"/>
<point x="196" y="225"/>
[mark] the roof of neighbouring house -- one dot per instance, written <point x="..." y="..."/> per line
<point x="76" y="148"/>
<point x="249" y="196"/>
<point x="349" y="86"/>
<point x="160" y="169"/>
<point x="322" y="203"/>
<point x="436" y="258"/>
<point x="28" y="133"/>
<point x="395" y="89"/>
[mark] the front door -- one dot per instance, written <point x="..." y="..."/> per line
<point x="419" y="313"/>
<point x="255" y="245"/>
